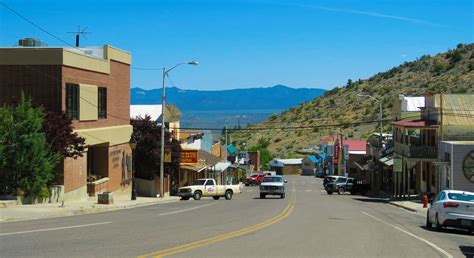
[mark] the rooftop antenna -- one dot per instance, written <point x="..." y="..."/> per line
<point x="79" y="32"/>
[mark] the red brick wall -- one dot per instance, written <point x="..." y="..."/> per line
<point x="254" y="156"/>
<point x="41" y="82"/>
<point x="118" y="93"/>
<point x="75" y="173"/>
<point x="116" y="179"/>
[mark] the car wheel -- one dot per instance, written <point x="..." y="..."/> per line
<point x="329" y="192"/>
<point x="216" y="197"/>
<point x="428" y="222"/>
<point x="341" y="190"/>
<point x="282" y="196"/>
<point x="437" y="225"/>
<point x="184" y="198"/>
<point x="262" y="196"/>
<point x="228" y="195"/>
<point x="197" y="195"/>
<point x="246" y="184"/>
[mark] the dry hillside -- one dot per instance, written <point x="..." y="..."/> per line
<point x="450" y="72"/>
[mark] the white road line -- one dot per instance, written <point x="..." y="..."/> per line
<point x="193" y="208"/>
<point x="308" y="190"/>
<point x="51" y="229"/>
<point x="437" y="248"/>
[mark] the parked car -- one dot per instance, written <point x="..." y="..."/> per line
<point x="451" y="208"/>
<point x="320" y="173"/>
<point x="341" y="185"/>
<point x="329" y="179"/>
<point x="207" y="187"/>
<point x="272" y="185"/>
<point x="254" y="179"/>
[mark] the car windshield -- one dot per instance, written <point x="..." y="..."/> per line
<point x="199" y="182"/>
<point x="273" y="179"/>
<point x="254" y="175"/>
<point x="341" y="180"/>
<point x="461" y="197"/>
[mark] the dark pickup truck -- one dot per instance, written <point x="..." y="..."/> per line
<point x="347" y="184"/>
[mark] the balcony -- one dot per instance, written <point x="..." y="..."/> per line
<point x="416" y="151"/>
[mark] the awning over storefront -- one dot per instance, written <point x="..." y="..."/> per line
<point x="222" y="166"/>
<point x="387" y="161"/>
<point x="196" y="167"/>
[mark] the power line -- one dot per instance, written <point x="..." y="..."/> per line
<point x="36" y="25"/>
<point x="60" y="39"/>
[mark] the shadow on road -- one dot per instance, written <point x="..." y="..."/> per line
<point x="379" y="200"/>
<point x="468" y="251"/>
<point x="453" y="231"/>
<point x="268" y="198"/>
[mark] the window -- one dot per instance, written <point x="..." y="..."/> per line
<point x="102" y="103"/>
<point x="210" y="182"/>
<point x="72" y="101"/>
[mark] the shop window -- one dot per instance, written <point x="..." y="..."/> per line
<point x="102" y="103"/>
<point x="72" y="101"/>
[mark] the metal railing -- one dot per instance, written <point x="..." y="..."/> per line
<point x="416" y="151"/>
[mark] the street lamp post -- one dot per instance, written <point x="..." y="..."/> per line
<point x="381" y="114"/>
<point x="163" y="103"/>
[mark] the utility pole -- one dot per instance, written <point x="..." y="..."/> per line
<point x="162" y="147"/>
<point x="226" y="134"/>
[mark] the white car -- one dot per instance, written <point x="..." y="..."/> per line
<point x="451" y="208"/>
<point x="272" y="185"/>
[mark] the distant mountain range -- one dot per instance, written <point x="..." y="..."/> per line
<point x="276" y="97"/>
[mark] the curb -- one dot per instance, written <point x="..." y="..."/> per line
<point x="404" y="207"/>
<point x="93" y="210"/>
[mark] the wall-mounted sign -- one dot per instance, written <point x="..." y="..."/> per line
<point x="468" y="166"/>
<point x="346" y="152"/>
<point x="189" y="156"/>
<point x="168" y="157"/>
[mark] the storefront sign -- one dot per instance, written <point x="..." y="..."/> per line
<point x="346" y="152"/>
<point x="168" y="157"/>
<point x="189" y="156"/>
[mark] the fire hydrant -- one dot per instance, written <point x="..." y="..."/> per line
<point x="425" y="201"/>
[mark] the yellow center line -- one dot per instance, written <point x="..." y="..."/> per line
<point x="182" y="248"/>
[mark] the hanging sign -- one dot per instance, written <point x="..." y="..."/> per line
<point x="189" y="156"/>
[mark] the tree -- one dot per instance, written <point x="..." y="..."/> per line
<point x="61" y="137"/>
<point x="147" y="155"/>
<point x="26" y="161"/>
<point x="265" y="156"/>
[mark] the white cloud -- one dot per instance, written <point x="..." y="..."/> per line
<point x="403" y="55"/>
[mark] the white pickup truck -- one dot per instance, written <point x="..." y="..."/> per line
<point x="207" y="187"/>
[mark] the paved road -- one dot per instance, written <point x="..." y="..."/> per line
<point x="307" y="223"/>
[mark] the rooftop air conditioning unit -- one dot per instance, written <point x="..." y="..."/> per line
<point x="31" y="42"/>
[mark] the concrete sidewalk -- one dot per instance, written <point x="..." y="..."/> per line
<point x="51" y="210"/>
<point x="414" y="206"/>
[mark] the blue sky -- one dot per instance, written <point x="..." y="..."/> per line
<point x="242" y="44"/>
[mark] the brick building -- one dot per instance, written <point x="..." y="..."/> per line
<point x="92" y="86"/>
